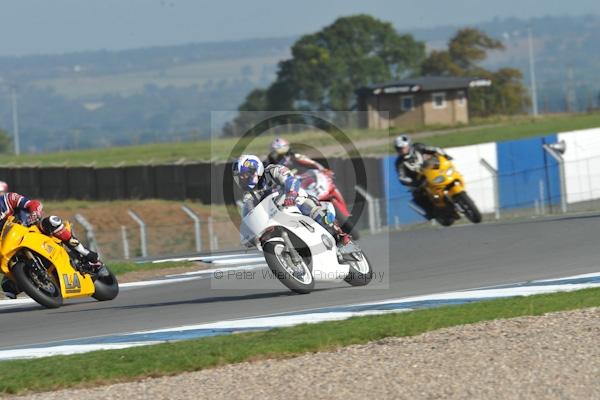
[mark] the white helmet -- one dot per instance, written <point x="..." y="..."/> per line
<point x="405" y="144"/>
<point x="280" y="146"/>
<point x="3" y="187"/>
<point x="247" y="170"/>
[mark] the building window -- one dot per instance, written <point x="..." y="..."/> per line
<point x="439" y="100"/>
<point x="407" y="103"/>
<point x="462" y="100"/>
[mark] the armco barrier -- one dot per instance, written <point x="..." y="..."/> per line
<point x="169" y="182"/>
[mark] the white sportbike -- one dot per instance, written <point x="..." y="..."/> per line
<point x="299" y="251"/>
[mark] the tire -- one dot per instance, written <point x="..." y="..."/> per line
<point x="106" y="287"/>
<point x="445" y="220"/>
<point x="356" y="277"/>
<point x="271" y="251"/>
<point x="469" y="208"/>
<point x="21" y="272"/>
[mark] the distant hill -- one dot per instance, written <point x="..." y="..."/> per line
<point x="567" y="56"/>
<point x="104" y="98"/>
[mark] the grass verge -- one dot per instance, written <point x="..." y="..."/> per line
<point x="121" y="267"/>
<point x="171" y="358"/>
<point x="478" y="131"/>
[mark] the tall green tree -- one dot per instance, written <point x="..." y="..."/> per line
<point x="326" y="67"/>
<point x="466" y="50"/>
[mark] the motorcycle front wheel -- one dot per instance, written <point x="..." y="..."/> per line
<point x="360" y="273"/>
<point x="38" y="284"/>
<point x="297" y="278"/>
<point x="468" y="207"/>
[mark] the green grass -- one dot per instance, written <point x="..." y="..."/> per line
<point x="120" y="267"/>
<point x="171" y="358"/>
<point x="502" y="129"/>
<point x="479" y="131"/>
<point x="518" y="129"/>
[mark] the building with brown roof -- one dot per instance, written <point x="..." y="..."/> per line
<point x="430" y="100"/>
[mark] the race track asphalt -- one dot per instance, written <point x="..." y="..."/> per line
<point x="408" y="263"/>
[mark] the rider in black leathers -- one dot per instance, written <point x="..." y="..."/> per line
<point x="410" y="160"/>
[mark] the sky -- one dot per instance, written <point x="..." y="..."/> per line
<point x="59" y="26"/>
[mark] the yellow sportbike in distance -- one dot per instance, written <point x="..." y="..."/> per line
<point x="445" y="187"/>
<point x="44" y="269"/>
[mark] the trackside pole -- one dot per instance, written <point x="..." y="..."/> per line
<point x="197" y="227"/>
<point x="213" y="241"/>
<point x="89" y="232"/>
<point x="494" y="173"/>
<point x="142" y="225"/>
<point x="542" y="197"/>
<point x="125" y="242"/>
<point x="555" y="151"/>
<point x="371" y="208"/>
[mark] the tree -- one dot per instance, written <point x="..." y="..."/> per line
<point x="326" y="67"/>
<point x="6" y="145"/>
<point x="466" y="49"/>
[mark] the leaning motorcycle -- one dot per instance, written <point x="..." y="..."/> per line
<point x="43" y="268"/>
<point x="298" y="250"/>
<point x="321" y="185"/>
<point x="445" y="187"/>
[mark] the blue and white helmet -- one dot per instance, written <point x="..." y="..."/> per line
<point x="247" y="170"/>
<point x="404" y="145"/>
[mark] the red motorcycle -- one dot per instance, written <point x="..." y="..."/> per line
<point x="321" y="185"/>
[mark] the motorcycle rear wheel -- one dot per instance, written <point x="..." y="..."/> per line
<point x="273" y="256"/>
<point x="50" y="297"/>
<point x="106" y="287"/>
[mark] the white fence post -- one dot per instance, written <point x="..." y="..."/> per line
<point x="125" y="242"/>
<point x="555" y="150"/>
<point x="214" y="244"/>
<point x="496" y="187"/>
<point x="197" y="227"/>
<point x="371" y="208"/>
<point x="542" y="197"/>
<point x="89" y="232"/>
<point x="142" y="225"/>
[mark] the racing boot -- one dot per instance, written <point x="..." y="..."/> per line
<point x="91" y="258"/>
<point x="10" y="288"/>
<point x="346" y="247"/>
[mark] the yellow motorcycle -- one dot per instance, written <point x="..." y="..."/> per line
<point x="445" y="188"/>
<point x="46" y="270"/>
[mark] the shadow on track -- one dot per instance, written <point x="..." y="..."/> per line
<point x="207" y="300"/>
